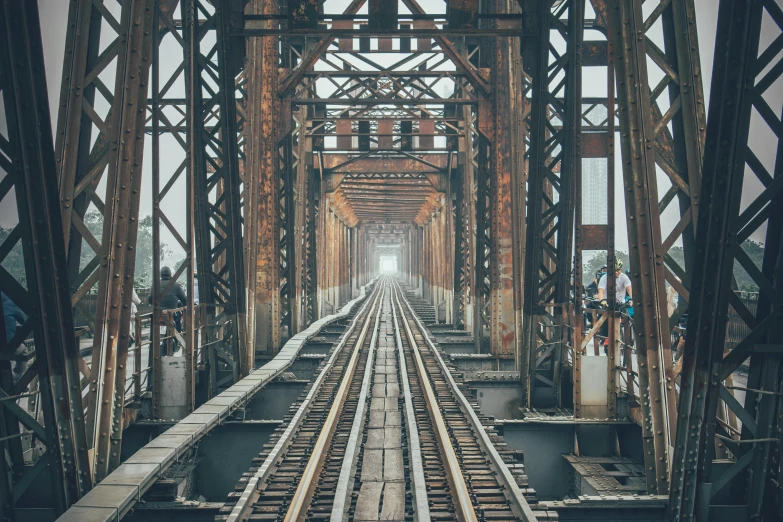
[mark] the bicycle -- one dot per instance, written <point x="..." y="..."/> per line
<point x="625" y="310"/>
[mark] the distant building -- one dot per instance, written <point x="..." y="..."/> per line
<point x="594" y="203"/>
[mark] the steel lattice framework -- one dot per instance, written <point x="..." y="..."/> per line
<point x="213" y="68"/>
<point x="29" y="184"/>
<point x="304" y="145"/>
<point x="554" y="156"/>
<point x="741" y="85"/>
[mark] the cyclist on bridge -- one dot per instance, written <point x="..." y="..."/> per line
<point x="622" y="293"/>
<point x="622" y="286"/>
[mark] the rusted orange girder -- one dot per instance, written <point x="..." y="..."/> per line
<point x="339" y="163"/>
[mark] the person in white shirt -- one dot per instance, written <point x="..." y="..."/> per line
<point x="622" y="286"/>
<point x="621" y="289"/>
<point x="135" y="302"/>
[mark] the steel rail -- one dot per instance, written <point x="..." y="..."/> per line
<point x="463" y="502"/>
<point x="345" y="481"/>
<point x="418" y="480"/>
<point x="305" y="489"/>
<point x="512" y="491"/>
<point x="244" y="505"/>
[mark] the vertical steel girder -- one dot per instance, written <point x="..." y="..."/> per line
<point x="321" y="241"/>
<point x="438" y="275"/>
<point x="28" y="161"/>
<point x="286" y="214"/>
<point x="465" y="225"/>
<point x="743" y="487"/>
<point x="462" y="250"/>
<point x="496" y="115"/>
<point x="554" y="157"/>
<point x="592" y="236"/>
<point x="310" y="282"/>
<point x="482" y="312"/>
<point x="310" y="204"/>
<point x="647" y="145"/>
<point x="303" y="209"/>
<point x="448" y="261"/>
<point x="336" y="263"/>
<point x="266" y="321"/>
<point x="168" y="125"/>
<point x="211" y="72"/>
<point x="254" y="115"/>
<point x="117" y="151"/>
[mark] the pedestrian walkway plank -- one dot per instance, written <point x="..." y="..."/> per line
<point x="393" y="501"/>
<point x="393" y="465"/>
<point x="368" y="502"/>
<point x="372" y="465"/>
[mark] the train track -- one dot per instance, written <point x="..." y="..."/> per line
<point x="384" y="432"/>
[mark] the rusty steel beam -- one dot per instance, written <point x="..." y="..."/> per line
<point x="554" y="158"/>
<point x="28" y="160"/>
<point x="286" y="215"/>
<point x="115" y="274"/>
<point x="255" y="115"/>
<point x="483" y="278"/>
<point x="669" y="118"/>
<point x="370" y="102"/>
<point x="598" y="237"/>
<point x="289" y="83"/>
<point x="342" y="207"/>
<point x="339" y="164"/>
<point x="518" y="108"/>
<point x="411" y="190"/>
<point x="454" y="55"/>
<point x="504" y="240"/>
<point x="302" y="204"/>
<point x="251" y="29"/>
<point x="266" y="306"/>
<point x="166" y="189"/>
<point x="678" y="155"/>
<point x="391" y="181"/>
<point x="465" y="225"/>
<point x="214" y="154"/>
<point x="82" y="165"/>
<point x="747" y="489"/>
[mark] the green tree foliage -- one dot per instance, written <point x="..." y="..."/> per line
<point x="755" y="252"/>
<point x="598" y="260"/>
<point x="14" y="261"/>
<point x="93" y="220"/>
<point x="745" y="283"/>
<point x="753" y="249"/>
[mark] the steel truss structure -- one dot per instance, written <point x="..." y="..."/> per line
<point x="54" y="414"/>
<point x="748" y="483"/>
<point x="214" y="151"/>
<point x="554" y="161"/>
<point x="292" y="149"/>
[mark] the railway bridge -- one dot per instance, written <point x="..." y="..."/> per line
<point x="347" y="260"/>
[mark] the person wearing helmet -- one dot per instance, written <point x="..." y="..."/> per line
<point x="622" y="286"/>
<point x="622" y="291"/>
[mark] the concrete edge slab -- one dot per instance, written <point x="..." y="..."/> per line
<point x="108" y="502"/>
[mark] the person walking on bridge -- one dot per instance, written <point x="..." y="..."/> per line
<point x="172" y="298"/>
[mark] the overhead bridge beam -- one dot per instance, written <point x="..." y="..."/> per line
<point x="252" y="28"/>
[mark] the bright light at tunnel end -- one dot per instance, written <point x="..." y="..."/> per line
<point x="388" y="264"/>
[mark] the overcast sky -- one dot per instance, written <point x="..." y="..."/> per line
<point x="54" y="15"/>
